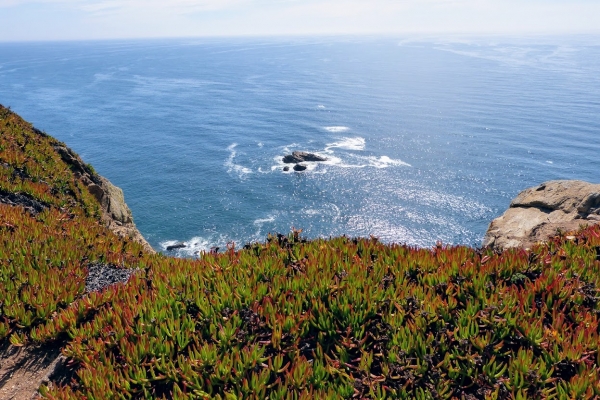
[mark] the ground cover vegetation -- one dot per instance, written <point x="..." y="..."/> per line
<point x="287" y="318"/>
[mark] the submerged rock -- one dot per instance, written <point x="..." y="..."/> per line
<point x="538" y="213"/>
<point x="302" y="156"/>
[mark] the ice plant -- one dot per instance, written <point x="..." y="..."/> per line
<point x="287" y="318"/>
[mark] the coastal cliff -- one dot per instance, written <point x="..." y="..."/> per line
<point x="55" y="211"/>
<point x="540" y="212"/>
<point x="89" y="312"/>
<point x="115" y="212"/>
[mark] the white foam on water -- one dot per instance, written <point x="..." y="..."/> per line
<point x="231" y="166"/>
<point x="367" y="162"/>
<point x="331" y="160"/>
<point x="262" y="221"/>
<point x="279" y="164"/>
<point x="336" y="129"/>
<point x="287" y="148"/>
<point x="385" y="161"/>
<point x="311" y="211"/>
<point x="347" y="143"/>
<point x="260" y="144"/>
<point x="321" y="106"/>
<point x="167" y="243"/>
<point x="197" y="245"/>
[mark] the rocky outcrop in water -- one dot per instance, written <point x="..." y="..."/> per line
<point x="540" y="212"/>
<point x="176" y="246"/>
<point x="115" y="212"/>
<point x="302" y="156"/>
<point x="299" y="167"/>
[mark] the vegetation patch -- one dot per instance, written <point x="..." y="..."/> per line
<point x="287" y="318"/>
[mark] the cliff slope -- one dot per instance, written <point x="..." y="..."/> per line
<point x="54" y="212"/>
<point x="115" y="213"/>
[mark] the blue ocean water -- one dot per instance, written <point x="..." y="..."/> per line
<point x="427" y="140"/>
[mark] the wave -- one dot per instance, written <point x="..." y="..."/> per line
<point x="348" y="143"/>
<point x="197" y="245"/>
<point x="231" y="166"/>
<point x="385" y="161"/>
<point x="336" y="129"/>
<point x="344" y="143"/>
<point x="262" y="221"/>
<point x="372" y="162"/>
<point x="193" y="247"/>
<point x="259" y="223"/>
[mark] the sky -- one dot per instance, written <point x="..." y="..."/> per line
<point x="35" y="20"/>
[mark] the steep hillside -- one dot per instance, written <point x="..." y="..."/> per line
<point x="287" y="318"/>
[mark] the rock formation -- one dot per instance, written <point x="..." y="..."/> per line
<point x="115" y="212"/>
<point x="299" y="167"/>
<point x="175" y="246"/>
<point x="540" y="212"/>
<point x="302" y="156"/>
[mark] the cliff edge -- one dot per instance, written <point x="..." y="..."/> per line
<point x="58" y="221"/>
<point x="540" y="212"/>
<point x="115" y="213"/>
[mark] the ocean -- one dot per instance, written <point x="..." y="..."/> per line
<point x="427" y="139"/>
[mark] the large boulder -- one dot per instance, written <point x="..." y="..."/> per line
<point x="540" y="212"/>
<point x="302" y="156"/>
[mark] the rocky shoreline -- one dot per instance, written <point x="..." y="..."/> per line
<point x="540" y="212"/>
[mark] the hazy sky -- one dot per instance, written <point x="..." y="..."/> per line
<point x="100" y="19"/>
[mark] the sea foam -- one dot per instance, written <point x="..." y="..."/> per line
<point x="385" y="161"/>
<point x="231" y="166"/>
<point x="348" y="143"/>
<point x="336" y="129"/>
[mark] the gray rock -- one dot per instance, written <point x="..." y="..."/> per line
<point x="299" y="167"/>
<point x="179" y="245"/>
<point x="537" y="213"/>
<point x="102" y="275"/>
<point x="302" y="156"/>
